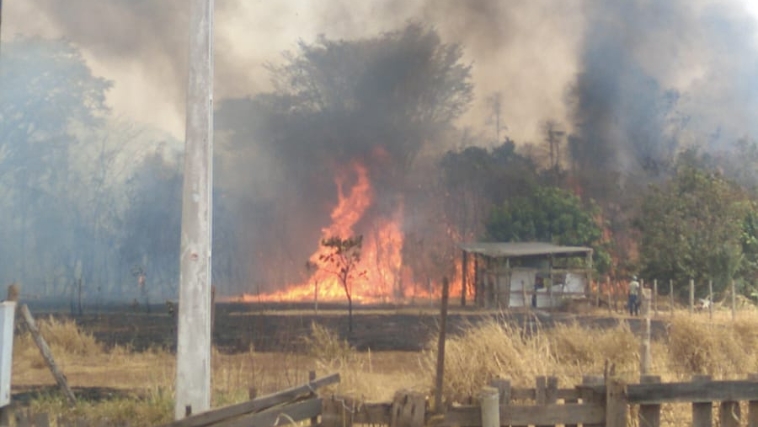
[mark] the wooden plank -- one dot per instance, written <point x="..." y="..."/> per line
<point x="311" y="378"/>
<point x="523" y="415"/>
<point x="280" y="415"/>
<point x="702" y="413"/>
<point x="519" y="393"/>
<point x="408" y="409"/>
<point x="616" y="406"/>
<point x="650" y="415"/>
<point x="589" y="396"/>
<point x="713" y="391"/>
<point x="551" y="393"/>
<point x="47" y="355"/>
<point x="439" y="379"/>
<point x="504" y="390"/>
<point x="261" y="403"/>
<point x="729" y="414"/>
<point x="752" y="415"/>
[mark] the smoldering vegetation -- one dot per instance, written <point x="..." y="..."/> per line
<point x="453" y="107"/>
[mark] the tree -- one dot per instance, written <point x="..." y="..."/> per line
<point x="379" y="101"/>
<point x="50" y="98"/>
<point x="552" y="215"/>
<point x="344" y="257"/>
<point x="699" y="225"/>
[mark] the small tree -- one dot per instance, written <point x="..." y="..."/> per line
<point x="344" y="256"/>
<point x="311" y="267"/>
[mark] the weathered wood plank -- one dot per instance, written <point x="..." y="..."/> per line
<point x="650" y="415"/>
<point x="714" y="391"/>
<point x="752" y="416"/>
<point x="589" y="396"/>
<point x="408" y="410"/>
<point x="522" y="415"/>
<point x="261" y="403"/>
<point x="616" y="407"/>
<point x="702" y="413"/>
<point x="518" y="393"/>
<point x="47" y="355"/>
<point x="280" y="415"/>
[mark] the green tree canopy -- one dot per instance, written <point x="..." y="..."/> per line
<point x="698" y="225"/>
<point x="549" y="214"/>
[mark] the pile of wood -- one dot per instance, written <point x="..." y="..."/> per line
<point x="281" y="408"/>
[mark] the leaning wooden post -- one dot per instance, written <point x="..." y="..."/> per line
<point x="710" y="299"/>
<point x="650" y="415"/>
<point x="655" y="297"/>
<point x="692" y="296"/>
<point x="439" y="383"/>
<point x="47" y="355"/>
<point x="489" y="400"/>
<point x="734" y="305"/>
<point x="702" y="413"/>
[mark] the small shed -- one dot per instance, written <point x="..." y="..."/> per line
<point x="536" y="274"/>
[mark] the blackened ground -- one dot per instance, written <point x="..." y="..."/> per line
<point x="282" y="327"/>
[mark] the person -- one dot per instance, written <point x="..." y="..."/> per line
<point x="634" y="295"/>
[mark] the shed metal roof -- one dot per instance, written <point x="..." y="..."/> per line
<point x="521" y="249"/>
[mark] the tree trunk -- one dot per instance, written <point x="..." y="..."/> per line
<point x="349" y="315"/>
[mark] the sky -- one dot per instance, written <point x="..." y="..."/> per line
<point x="532" y="68"/>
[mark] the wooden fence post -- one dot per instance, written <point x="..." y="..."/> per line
<point x="503" y="389"/>
<point x="489" y="401"/>
<point x="408" y="410"/>
<point x="311" y="377"/>
<point x="702" y="413"/>
<point x="650" y="415"/>
<point x="655" y="297"/>
<point x="734" y="305"/>
<point x="589" y="397"/>
<point x="710" y="299"/>
<point x="692" y="296"/>
<point x="752" y="406"/>
<point x="616" y="408"/>
<point x="439" y="381"/>
<point x="47" y="355"/>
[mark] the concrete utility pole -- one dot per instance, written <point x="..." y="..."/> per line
<point x="193" y="370"/>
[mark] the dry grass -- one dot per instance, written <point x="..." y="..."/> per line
<point x="696" y="345"/>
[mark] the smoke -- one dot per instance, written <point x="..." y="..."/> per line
<point x="631" y="80"/>
<point x="659" y="75"/>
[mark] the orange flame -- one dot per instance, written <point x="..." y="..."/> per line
<point x="381" y="253"/>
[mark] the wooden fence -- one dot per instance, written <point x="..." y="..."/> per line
<point x="607" y="403"/>
<point x="282" y="408"/>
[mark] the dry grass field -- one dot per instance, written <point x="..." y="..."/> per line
<point x="119" y="383"/>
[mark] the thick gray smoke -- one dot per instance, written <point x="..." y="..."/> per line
<point x="656" y="76"/>
<point x="632" y="81"/>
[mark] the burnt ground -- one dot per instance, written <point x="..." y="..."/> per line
<point x="282" y="327"/>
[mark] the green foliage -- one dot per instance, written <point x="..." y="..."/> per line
<point x="697" y="226"/>
<point x="549" y="214"/>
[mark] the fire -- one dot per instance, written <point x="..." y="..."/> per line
<point x="381" y="253"/>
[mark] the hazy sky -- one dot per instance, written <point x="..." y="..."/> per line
<point x="526" y="49"/>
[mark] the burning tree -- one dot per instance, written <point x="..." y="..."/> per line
<point x="344" y="256"/>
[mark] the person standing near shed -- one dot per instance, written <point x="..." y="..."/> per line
<point x="634" y="295"/>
